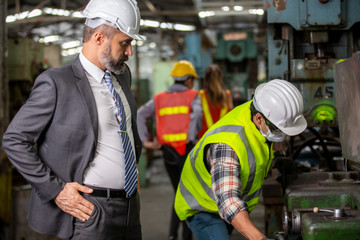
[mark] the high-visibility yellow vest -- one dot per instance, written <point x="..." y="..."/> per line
<point x="195" y="194"/>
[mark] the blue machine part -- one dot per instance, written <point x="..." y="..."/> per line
<point x="314" y="14"/>
<point x="305" y="39"/>
<point x="195" y="54"/>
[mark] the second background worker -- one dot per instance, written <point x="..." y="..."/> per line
<point x="178" y="115"/>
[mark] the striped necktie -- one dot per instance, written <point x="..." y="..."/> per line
<point x="130" y="184"/>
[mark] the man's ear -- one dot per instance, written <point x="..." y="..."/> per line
<point x="257" y="119"/>
<point x="188" y="82"/>
<point x="98" y="37"/>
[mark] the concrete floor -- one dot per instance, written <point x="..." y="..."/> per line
<point x="156" y="202"/>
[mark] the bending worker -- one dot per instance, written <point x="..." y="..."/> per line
<point x="223" y="174"/>
<point x="178" y="117"/>
<point x="75" y="140"/>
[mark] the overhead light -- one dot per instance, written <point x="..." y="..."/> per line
<point x="57" y="12"/>
<point x="35" y="13"/>
<point x="166" y="25"/>
<point x="11" y="18"/>
<point x="49" y="39"/>
<point x="39" y="12"/>
<point x="70" y="44"/>
<point x="152" y="45"/>
<point x="77" y="14"/>
<point x="238" y="8"/>
<point x="149" y="23"/>
<point x="256" y="11"/>
<point x="71" y="51"/>
<point x="204" y="14"/>
<point x="225" y="8"/>
<point x="183" y="27"/>
<point x="23" y="15"/>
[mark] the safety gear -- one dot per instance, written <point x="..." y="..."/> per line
<point x="172" y="113"/>
<point x="195" y="194"/>
<point x="121" y="14"/>
<point x="282" y="104"/>
<point x="182" y="70"/>
<point x="275" y="136"/>
<point x="211" y="114"/>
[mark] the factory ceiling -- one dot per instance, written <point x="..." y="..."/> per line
<point x="34" y="18"/>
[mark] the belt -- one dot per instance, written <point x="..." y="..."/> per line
<point x="109" y="193"/>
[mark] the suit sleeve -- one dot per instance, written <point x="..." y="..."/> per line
<point x="19" y="140"/>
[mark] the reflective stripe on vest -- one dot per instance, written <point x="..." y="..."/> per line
<point x="206" y="110"/>
<point x="175" y="137"/>
<point x="174" y="110"/>
<point x="195" y="192"/>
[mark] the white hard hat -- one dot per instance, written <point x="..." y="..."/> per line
<point x="282" y="104"/>
<point x="121" y="14"/>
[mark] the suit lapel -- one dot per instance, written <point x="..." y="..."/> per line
<point x="87" y="94"/>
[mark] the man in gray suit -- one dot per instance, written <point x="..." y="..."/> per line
<point x="66" y="141"/>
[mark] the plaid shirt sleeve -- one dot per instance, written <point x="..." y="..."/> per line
<point x="225" y="178"/>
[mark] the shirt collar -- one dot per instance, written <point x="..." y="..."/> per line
<point x="91" y="68"/>
<point x="176" y="87"/>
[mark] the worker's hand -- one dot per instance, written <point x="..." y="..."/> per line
<point x="154" y="144"/>
<point x="70" y="201"/>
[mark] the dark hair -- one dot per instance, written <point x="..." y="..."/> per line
<point x="253" y="110"/>
<point x="214" y="85"/>
<point x="108" y="31"/>
<point x="179" y="82"/>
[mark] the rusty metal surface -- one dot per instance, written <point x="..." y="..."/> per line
<point x="347" y="89"/>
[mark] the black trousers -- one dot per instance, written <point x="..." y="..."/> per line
<point x="174" y="163"/>
<point x="111" y="219"/>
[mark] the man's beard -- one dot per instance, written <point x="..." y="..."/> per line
<point x="111" y="64"/>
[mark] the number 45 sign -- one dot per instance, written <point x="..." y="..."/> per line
<point x="324" y="92"/>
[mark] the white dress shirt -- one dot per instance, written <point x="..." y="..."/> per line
<point x="107" y="170"/>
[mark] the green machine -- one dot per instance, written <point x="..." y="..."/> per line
<point x="236" y="53"/>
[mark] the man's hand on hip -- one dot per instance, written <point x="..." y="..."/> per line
<point x="70" y="201"/>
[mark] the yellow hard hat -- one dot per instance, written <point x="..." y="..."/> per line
<point x="182" y="70"/>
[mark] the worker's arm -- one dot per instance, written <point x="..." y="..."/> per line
<point x="195" y="119"/>
<point x="246" y="227"/>
<point x="146" y="111"/>
<point x="226" y="185"/>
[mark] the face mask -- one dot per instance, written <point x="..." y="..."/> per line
<point x="277" y="136"/>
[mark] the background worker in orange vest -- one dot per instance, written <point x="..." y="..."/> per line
<point x="178" y="115"/>
<point x="215" y="99"/>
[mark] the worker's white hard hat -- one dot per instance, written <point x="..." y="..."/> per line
<point x="282" y="104"/>
<point x="121" y="14"/>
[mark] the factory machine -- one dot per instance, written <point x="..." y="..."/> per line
<point x="236" y="53"/>
<point x="317" y="195"/>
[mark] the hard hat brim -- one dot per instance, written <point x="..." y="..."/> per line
<point x="136" y="36"/>
<point x="295" y="129"/>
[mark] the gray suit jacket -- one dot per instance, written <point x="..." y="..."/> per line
<point x="53" y="137"/>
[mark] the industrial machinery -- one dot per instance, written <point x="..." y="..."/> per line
<point x="236" y="53"/>
<point x="317" y="195"/>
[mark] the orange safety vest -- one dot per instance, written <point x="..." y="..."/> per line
<point x="172" y="112"/>
<point x="211" y="113"/>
